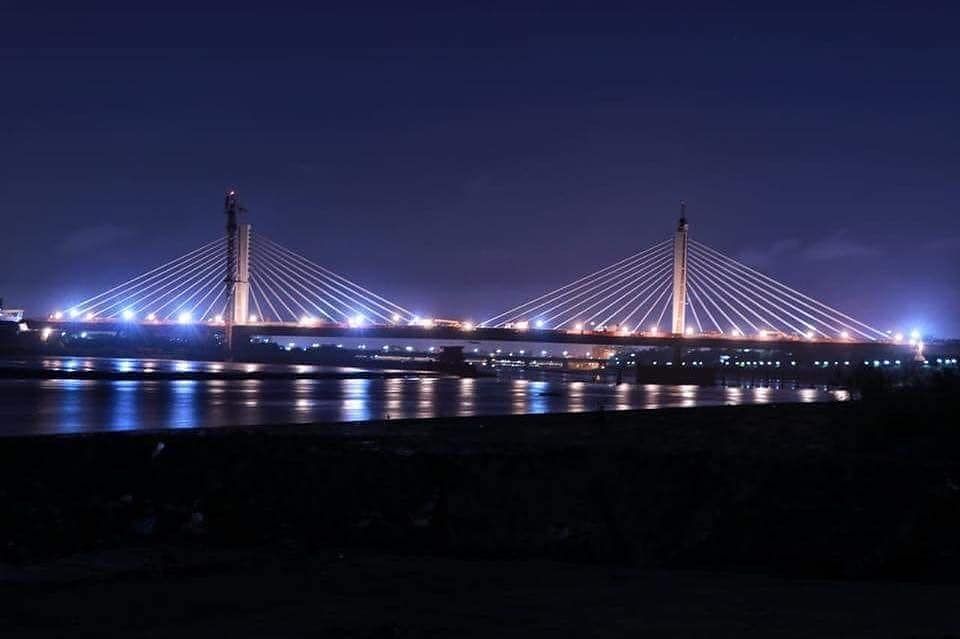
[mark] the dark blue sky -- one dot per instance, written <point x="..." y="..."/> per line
<point x="461" y="159"/>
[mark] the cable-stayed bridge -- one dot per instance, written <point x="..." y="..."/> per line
<point x="682" y="287"/>
<point x="677" y="291"/>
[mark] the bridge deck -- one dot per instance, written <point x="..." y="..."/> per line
<point x="484" y="334"/>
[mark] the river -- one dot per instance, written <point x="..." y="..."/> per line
<point x="58" y="405"/>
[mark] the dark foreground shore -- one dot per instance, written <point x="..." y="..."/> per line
<point x="710" y="520"/>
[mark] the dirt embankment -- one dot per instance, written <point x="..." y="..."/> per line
<point x="841" y="490"/>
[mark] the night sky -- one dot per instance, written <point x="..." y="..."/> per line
<point x="460" y="160"/>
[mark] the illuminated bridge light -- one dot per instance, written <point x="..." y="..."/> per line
<point x="128" y="314"/>
<point x="74" y="312"/>
<point x="57" y="315"/>
<point x="898" y="338"/>
<point x="468" y="326"/>
<point x="253" y="319"/>
<point x="539" y="324"/>
<point x="185" y="317"/>
<point x="151" y="317"/>
<point x="89" y="316"/>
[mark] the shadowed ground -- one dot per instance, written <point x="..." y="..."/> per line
<point x="799" y="520"/>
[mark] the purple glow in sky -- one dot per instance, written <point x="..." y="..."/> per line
<point x="462" y="160"/>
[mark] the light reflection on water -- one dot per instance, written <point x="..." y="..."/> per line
<point x="71" y="405"/>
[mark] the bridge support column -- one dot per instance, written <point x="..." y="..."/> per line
<point x="678" y="353"/>
<point x="680" y="273"/>
<point x="241" y="291"/>
<point x="237" y="257"/>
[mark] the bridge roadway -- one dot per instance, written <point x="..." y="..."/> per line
<point x="832" y="349"/>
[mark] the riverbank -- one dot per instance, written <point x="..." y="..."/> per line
<point x="852" y="489"/>
<point x="166" y="592"/>
<point x="339" y="518"/>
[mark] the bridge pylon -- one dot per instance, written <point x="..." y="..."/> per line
<point x="237" y="267"/>
<point x="680" y="273"/>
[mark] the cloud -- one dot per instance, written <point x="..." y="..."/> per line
<point x="835" y="247"/>
<point x="763" y="257"/>
<point x="94" y="238"/>
<point x="943" y="243"/>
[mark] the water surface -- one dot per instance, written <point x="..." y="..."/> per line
<point x="33" y="406"/>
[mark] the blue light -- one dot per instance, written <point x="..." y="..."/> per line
<point x="128" y="314"/>
<point x="185" y="317"/>
<point x="539" y="323"/>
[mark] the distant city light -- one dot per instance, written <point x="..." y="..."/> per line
<point x="578" y="327"/>
<point x="151" y="317"/>
<point x="306" y="320"/>
<point x="762" y="333"/>
<point x="218" y="319"/>
<point x="128" y="314"/>
<point x="253" y="319"/>
<point x="915" y="334"/>
<point x="468" y="326"/>
<point x="423" y="322"/>
<point x="185" y="317"/>
<point x="653" y="330"/>
<point x="898" y="338"/>
<point x="844" y="335"/>
<point x="809" y="334"/>
<point x="396" y="317"/>
<point x="539" y="323"/>
<point x="357" y="321"/>
<point x="522" y="325"/>
<point x="45" y="333"/>
<point x="689" y="330"/>
<point x="57" y="315"/>
<point x="74" y="312"/>
<point x="90" y="316"/>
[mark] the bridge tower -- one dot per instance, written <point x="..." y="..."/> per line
<point x="680" y="272"/>
<point x="241" y="292"/>
<point x="237" y="267"/>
